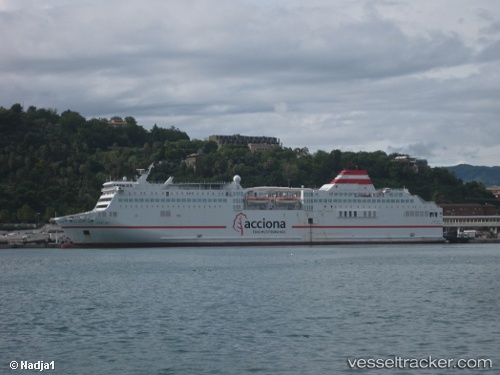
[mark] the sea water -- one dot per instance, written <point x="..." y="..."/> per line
<point x="251" y="310"/>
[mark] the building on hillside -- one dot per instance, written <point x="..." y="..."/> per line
<point x="495" y="190"/>
<point x="117" y="121"/>
<point x="192" y="160"/>
<point x="415" y="163"/>
<point x="259" y="147"/>
<point x="254" y="143"/>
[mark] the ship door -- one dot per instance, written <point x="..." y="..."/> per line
<point x="310" y="222"/>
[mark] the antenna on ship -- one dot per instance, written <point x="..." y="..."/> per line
<point x="143" y="175"/>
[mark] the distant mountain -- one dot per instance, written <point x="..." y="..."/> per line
<point x="489" y="176"/>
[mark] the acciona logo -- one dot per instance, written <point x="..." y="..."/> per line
<point x="263" y="226"/>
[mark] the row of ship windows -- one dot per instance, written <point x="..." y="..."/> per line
<point x="205" y="193"/>
<point x="357" y="214"/>
<point x="172" y="200"/>
<point x="223" y="200"/>
<point x="169" y="193"/>
<point x="420" y="214"/>
<point x="374" y="214"/>
<point x="172" y="206"/>
<point x="347" y="194"/>
<point x="163" y="213"/>
<point x="355" y="200"/>
<point x="107" y="214"/>
<point x="341" y="213"/>
<point x="358" y="194"/>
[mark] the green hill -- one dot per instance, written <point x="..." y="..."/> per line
<point x="54" y="164"/>
<point x="489" y="176"/>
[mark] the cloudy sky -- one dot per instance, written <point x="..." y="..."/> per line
<point x="419" y="77"/>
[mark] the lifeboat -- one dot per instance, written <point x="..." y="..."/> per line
<point x="258" y="200"/>
<point x="287" y="200"/>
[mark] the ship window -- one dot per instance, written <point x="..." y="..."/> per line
<point x="86" y="232"/>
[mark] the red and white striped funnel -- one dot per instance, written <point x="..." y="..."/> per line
<point x="357" y="177"/>
<point x="351" y="180"/>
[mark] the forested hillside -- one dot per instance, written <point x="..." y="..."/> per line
<point x="489" y="176"/>
<point x="54" y="164"/>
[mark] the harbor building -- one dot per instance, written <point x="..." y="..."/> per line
<point x="482" y="219"/>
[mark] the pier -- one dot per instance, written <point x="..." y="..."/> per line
<point x="485" y="226"/>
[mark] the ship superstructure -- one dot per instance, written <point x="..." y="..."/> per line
<point x="347" y="210"/>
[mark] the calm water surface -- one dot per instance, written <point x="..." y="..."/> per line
<point x="296" y="310"/>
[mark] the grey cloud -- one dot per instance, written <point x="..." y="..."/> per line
<point x="323" y="75"/>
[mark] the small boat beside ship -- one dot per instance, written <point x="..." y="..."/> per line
<point x="349" y="209"/>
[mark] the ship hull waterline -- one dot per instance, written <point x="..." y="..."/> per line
<point x="114" y="240"/>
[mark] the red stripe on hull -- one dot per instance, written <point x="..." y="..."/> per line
<point x="364" y="226"/>
<point x="147" y="227"/>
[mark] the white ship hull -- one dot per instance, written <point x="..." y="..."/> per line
<point x="139" y="214"/>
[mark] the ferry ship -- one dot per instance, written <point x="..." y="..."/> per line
<point x="349" y="209"/>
